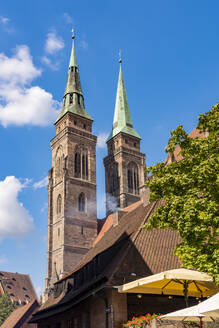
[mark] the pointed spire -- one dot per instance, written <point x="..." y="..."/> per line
<point x="122" y="121"/>
<point x="73" y="60"/>
<point x="73" y="100"/>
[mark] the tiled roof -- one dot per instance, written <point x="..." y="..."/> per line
<point x="108" y="222"/>
<point x="178" y="157"/>
<point x="18" y="315"/>
<point x="18" y="286"/>
<point x="147" y="241"/>
<point x="144" y="252"/>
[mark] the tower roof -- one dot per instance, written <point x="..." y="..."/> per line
<point x="73" y="100"/>
<point x="122" y="121"/>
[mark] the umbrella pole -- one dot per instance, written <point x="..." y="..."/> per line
<point x="185" y="291"/>
<point x="200" y="322"/>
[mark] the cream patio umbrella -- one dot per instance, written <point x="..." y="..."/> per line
<point x="188" y="314"/>
<point x="181" y="282"/>
<point x="210" y="307"/>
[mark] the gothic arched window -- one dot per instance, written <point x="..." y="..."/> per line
<point x="59" y="162"/>
<point x="133" y="179"/>
<point x="81" y="202"/>
<point x="77" y="164"/>
<point x="113" y="177"/>
<point x="59" y="204"/>
<point x="81" y="164"/>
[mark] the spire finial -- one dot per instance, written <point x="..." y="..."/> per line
<point x="120" y="56"/>
<point x="73" y="34"/>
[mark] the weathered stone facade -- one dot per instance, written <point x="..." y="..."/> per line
<point x="124" y="156"/>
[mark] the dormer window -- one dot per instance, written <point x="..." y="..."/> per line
<point x="71" y="98"/>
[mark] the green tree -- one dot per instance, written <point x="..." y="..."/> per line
<point x="190" y="190"/>
<point x="6" y="307"/>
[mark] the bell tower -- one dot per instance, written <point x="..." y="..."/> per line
<point x="72" y="215"/>
<point x="124" y="164"/>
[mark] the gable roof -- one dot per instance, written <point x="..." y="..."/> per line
<point x="18" y="287"/>
<point x="19" y="315"/>
<point x="128" y="246"/>
<point x="108" y="222"/>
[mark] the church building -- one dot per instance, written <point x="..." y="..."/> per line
<point x="88" y="259"/>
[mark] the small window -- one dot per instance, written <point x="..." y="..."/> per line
<point x="134" y="144"/>
<point x="82" y="230"/>
<point x="9" y="287"/>
<point x="1" y="274"/>
<point x="84" y="126"/>
<point x="75" y="122"/>
<point x="81" y="202"/>
<point x="24" y="288"/>
<point x="11" y="294"/>
<point x="71" y="68"/>
<point x="126" y="141"/>
<point x="13" y="279"/>
<point x="71" y="98"/>
<point x="59" y="204"/>
<point x="27" y="296"/>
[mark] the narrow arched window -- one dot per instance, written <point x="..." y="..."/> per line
<point x="86" y="167"/>
<point x="81" y="202"/>
<point x="59" y="204"/>
<point x="130" y="184"/>
<point x="133" y="179"/>
<point x="77" y="165"/>
<point x="81" y="164"/>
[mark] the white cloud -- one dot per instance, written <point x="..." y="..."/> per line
<point x="4" y="20"/>
<point x="67" y="18"/>
<point x="6" y="26"/>
<point x="21" y="103"/>
<point x="101" y="140"/>
<point x="41" y="184"/>
<point x="19" y="68"/>
<point x="53" y="43"/>
<point x="53" y="65"/>
<point x="15" y="220"/>
<point x="83" y="44"/>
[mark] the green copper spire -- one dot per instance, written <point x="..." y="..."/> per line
<point x="73" y="60"/>
<point x="73" y="100"/>
<point x="122" y="119"/>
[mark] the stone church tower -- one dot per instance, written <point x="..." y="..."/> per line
<point x="72" y="215"/>
<point x="125" y="164"/>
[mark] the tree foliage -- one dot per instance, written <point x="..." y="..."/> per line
<point x="6" y="307"/>
<point x="190" y="189"/>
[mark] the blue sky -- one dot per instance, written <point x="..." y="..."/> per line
<point x="171" y="72"/>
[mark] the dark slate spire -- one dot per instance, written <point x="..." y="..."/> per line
<point x="73" y="100"/>
<point x="122" y="121"/>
